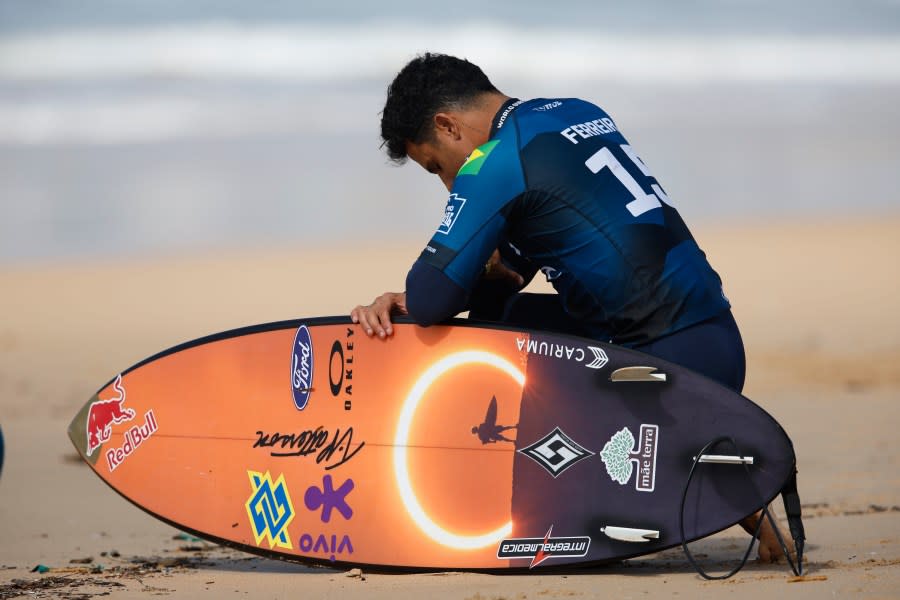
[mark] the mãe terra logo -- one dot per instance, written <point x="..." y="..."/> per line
<point x="621" y="454"/>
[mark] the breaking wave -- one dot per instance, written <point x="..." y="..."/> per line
<point x="145" y="84"/>
<point x="339" y="53"/>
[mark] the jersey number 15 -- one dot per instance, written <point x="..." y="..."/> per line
<point x="604" y="159"/>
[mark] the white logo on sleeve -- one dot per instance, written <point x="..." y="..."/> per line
<point x="451" y="213"/>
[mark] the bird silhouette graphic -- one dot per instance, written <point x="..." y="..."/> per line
<point x="489" y="432"/>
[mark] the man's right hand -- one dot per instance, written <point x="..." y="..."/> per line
<point x="376" y="317"/>
<point x="494" y="269"/>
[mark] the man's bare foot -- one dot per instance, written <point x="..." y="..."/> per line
<point x="769" y="548"/>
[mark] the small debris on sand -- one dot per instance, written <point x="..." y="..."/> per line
<point x="805" y="578"/>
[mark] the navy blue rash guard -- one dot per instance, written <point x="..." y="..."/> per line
<point x="558" y="189"/>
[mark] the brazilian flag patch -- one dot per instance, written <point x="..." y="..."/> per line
<point x="477" y="158"/>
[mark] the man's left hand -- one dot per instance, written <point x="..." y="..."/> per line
<point x="375" y="318"/>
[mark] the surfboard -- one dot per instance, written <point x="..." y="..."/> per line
<point x="459" y="446"/>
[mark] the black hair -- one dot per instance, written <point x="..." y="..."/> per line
<point x="428" y="84"/>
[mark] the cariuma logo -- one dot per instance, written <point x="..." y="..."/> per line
<point x="622" y="455"/>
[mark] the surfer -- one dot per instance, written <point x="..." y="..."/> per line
<point x="488" y="431"/>
<point x="550" y="185"/>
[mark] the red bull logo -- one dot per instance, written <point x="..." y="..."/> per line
<point x="103" y="414"/>
<point x="134" y="437"/>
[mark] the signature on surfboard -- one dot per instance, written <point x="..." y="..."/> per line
<point x="489" y="432"/>
<point x="327" y="446"/>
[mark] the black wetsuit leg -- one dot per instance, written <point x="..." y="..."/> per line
<point x="713" y="348"/>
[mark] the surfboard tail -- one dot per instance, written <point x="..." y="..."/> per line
<point x="788" y="493"/>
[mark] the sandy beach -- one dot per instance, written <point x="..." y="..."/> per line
<point x="817" y="303"/>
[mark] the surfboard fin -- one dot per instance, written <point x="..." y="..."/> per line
<point x="630" y="534"/>
<point x="724" y="459"/>
<point x="636" y="374"/>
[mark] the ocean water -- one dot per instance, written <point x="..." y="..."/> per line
<point x="132" y="128"/>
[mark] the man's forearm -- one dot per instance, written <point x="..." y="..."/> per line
<point x="431" y="296"/>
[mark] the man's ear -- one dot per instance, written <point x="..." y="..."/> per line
<point x="446" y="124"/>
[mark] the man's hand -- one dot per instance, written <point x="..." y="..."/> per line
<point x="495" y="269"/>
<point x="376" y="317"/>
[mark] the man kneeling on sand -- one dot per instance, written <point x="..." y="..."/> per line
<point x="551" y="185"/>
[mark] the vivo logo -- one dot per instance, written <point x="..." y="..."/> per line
<point x="302" y="368"/>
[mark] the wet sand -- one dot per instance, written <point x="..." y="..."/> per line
<point x="817" y="303"/>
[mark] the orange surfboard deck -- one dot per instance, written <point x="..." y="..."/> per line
<point x="453" y="447"/>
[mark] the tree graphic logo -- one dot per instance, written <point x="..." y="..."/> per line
<point x="622" y="456"/>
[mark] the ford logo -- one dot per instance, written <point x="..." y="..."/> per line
<point x="302" y="368"/>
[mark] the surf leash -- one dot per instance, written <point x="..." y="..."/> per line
<point x="791" y="505"/>
<point x="792" y="509"/>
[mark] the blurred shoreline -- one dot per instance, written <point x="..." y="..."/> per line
<point x="154" y="128"/>
<point x="224" y="170"/>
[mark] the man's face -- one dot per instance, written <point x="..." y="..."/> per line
<point x="442" y="157"/>
<point x="453" y="139"/>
